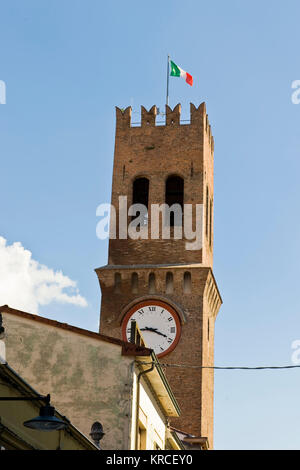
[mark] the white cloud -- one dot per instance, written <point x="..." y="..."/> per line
<point x="26" y="284"/>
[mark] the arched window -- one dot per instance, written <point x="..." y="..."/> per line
<point x="169" y="283"/>
<point x="134" y="283"/>
<point x="140" y="191"/>
<point x="140" y="194"/>
<point x="152" y="288"/>
<point x="187" y="283"/>
<point x="174" y="195"/>
<point x="118" y="280"/>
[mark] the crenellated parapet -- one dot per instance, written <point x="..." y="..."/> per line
<point x="198" y="117"/>
<point x="148" y="117"/>
<point x="173" y="116"/>
<point x="123" y="117"/>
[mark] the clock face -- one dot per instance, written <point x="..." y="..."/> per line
<point x="158" y="323"/>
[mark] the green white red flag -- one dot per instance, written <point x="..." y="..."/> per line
<point x="178" y="72"/>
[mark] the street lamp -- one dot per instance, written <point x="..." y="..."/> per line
<point x="97" y="433"/>
<point x="46" y="421"/>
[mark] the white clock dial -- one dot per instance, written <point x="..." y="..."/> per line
<point x="158" y="323"/>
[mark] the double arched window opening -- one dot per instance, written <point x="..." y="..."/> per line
<point x="174" y="197"/>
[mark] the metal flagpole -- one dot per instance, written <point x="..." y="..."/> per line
<point x="168" y="73"/>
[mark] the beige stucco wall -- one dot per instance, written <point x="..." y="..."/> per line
<point x="88" y="379"/>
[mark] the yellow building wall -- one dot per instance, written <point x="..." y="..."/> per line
<point x="16" y="436"/>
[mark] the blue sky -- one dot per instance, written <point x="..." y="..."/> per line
<point x="66" y="66"/>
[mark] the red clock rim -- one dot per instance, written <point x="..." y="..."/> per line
<point x="145" y="303"/>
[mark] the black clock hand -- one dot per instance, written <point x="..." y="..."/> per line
<point x="161" y="334"/>
<point x="154" y="331"/>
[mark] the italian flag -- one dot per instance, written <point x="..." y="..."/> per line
<point x="178" y="72"/>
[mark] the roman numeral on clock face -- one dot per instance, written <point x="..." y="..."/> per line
<point x="152" y="309"/>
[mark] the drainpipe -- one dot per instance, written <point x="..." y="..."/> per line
<point x="138" y="402"/>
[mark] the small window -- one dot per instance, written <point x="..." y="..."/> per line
<point x="152" y="288"/>
<point x="142" y="437"/>
<point x="118" y="281"/>
<point x="187" y="283"/>
<point x="169" y="283"/>
<point x="134" y="283"/>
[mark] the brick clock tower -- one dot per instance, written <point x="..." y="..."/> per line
<point x="169" y="289"/>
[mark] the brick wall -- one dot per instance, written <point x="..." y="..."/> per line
<point x="156" y="152"/>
